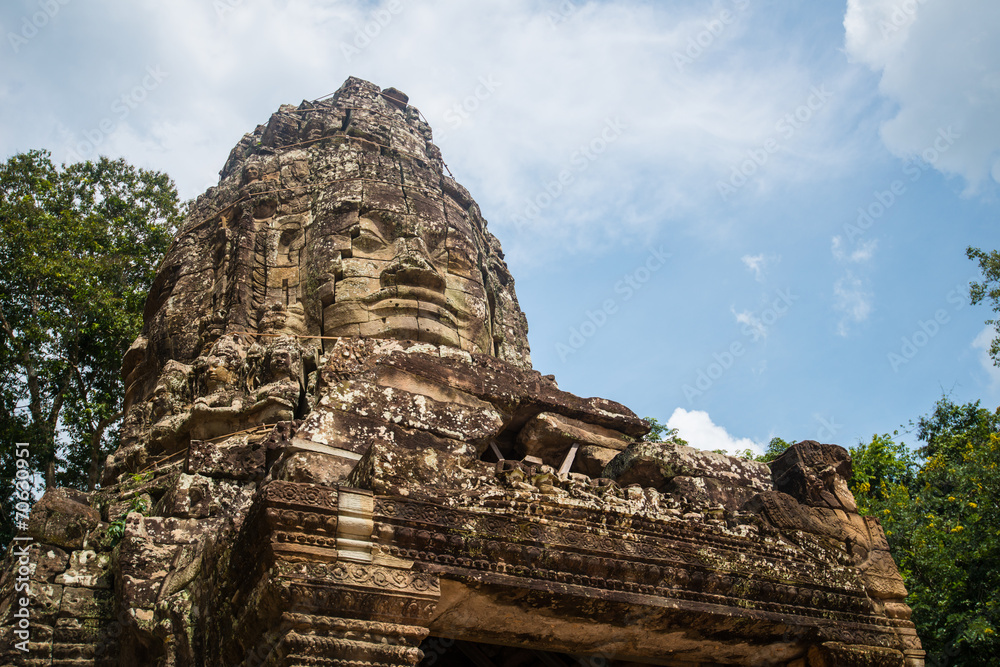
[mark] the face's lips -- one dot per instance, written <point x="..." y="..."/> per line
<point x="398" y="299"/>
<point x="396" y="307"/>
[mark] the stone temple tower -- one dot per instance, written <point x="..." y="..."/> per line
<point x="336" y="452"/>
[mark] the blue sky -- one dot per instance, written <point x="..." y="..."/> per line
<point x="746" y="217"/>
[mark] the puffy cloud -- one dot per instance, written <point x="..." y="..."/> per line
<point x="701" y="432"/>
<point x="940" y="63"/>
<point x="749" y="319"/>
<point x="852" y="294"/>
<point x="853" y="300"/>
<point x="758" y="265"/>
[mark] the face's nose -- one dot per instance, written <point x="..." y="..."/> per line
<point x="412" y="267"/>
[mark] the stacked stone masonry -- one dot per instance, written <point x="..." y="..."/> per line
<point x="336" y="452"/>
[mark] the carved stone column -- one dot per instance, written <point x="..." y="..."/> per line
<point x="317" y="595"/>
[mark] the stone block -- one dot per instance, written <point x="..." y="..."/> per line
<point x="239" y="458"/>
<point x="656" y="463"/>
<point x="46" y="599"/>
<point x="549" y="436"/>
<point x="87" y="569"/>
<point x="591" y="460"/>
<point x="63" y="518"/>
<point x="815" y="474"/>
<point x="84" y="603"/>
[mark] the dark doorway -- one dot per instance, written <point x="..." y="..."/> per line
<point x="445" y="652"/>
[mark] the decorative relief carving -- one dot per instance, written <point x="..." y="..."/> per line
<point x="301" y="495"/>
<point x="375" y="605"/>
<point x="366" y="575"/>
<point x="449" y="538"/>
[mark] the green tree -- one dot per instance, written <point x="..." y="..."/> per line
<point x="79" y="248"/>
<point x="950" y="427"/>
<point x="988" y="290"/>
<point x="775" y="448"/>
<point x="942" y="520"/>
<point x="879" y="467"/>
<point x="661" y="433"/>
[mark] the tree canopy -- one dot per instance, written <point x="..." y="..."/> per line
<point x="79" y="247"/>
<point x="660" y="432"/>
<point x="941" y="516"/>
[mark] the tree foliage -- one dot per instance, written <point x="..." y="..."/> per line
<point x="79" y="248"/>
<point x="879" y="467"/>
<point x="988" y="290"/>
<point x="662" y="433"/>
<point x="942" y="519"/>
<point x="775" y="448"/>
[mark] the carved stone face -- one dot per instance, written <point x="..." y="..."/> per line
<point x="283" y="363"/>
<point x="218" y="375"/>
<point x="223" y="364"/>
<point x="409" y="279"/>
<point x="162" y="402"/>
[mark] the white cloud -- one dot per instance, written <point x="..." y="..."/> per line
<point x="698" y="429"/>
<point x="853" y="300"/>
<point x="939" y="61"/>
<point x="758" y="265"/>
<point x="862" y="252"/>
<point x="561" y="81"/>
<point x="749" y="319"/>
<point x="876" y="30"/>
<point x="983" y="342"/>
<point x="852" y="295"/>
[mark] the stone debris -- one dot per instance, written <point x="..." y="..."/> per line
<point x="335" y="446"/>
